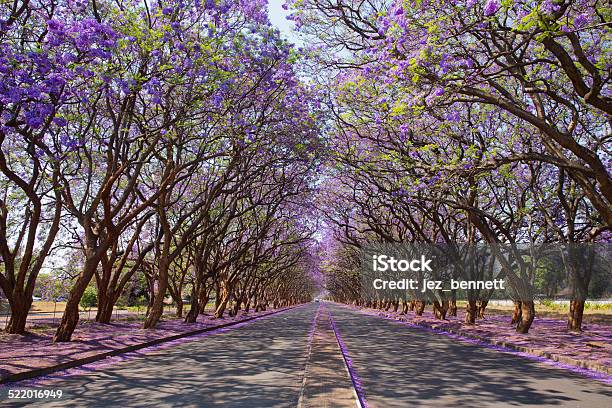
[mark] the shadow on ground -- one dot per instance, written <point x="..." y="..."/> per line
<point x="400" y="366"/>
<point x="258" y="365"/>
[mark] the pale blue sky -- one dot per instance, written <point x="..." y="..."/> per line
<point x="278" y="19"/>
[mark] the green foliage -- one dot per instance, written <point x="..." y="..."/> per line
<point x="89" y="298"/>
<point x="598" y="306"/>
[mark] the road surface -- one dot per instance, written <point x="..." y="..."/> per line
<point x="396" y="370"/>
<point x="290" y="359"/>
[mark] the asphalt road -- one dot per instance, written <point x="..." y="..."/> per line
<point x="260" y="364"/>
<point x="397" y="370"/>
<point x="263" y="364"/>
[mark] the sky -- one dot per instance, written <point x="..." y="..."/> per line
<point x="278" y="18"/>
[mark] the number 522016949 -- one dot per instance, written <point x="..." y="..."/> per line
<point x="34" y="394"/>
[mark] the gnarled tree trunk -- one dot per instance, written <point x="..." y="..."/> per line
<point x="70" y="318"/>
<point x="20" y="305"/>
<point x="404" y="307"/>
<point x="516" y="314"/>
<point x="105" y="307"/>
<point x="574" y="318"/>
<point x="482" y="305"/>
<point x="419" y="307"/>
<point x="440" y="309"/>
<point x="527" y="316"/>
<point x="452" y="308"/>
<point x="470" y="312"/>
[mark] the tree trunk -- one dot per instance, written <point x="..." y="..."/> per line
<point x="452" y="309"/>
<point x="256" y="302"/>
<point x="237" y="306"/>
<point x="516" y="315"/>
<point x="203" y="296"/>
<point x="70" y="318"/>
<point x="20" y="306"/>
<point x="192" y="315"/>
<point x="225" y="298"/>
<point x="419" y="307"/>
<point x="482" y="305"/>
<point x="217" y="295"/>
<point x="69" y="321"/>
<point x="194" y="310"/>
<point x="527" y="316"/>
<point x="574" y="318"/>
<point x="440" y="309"/>
<point x="470" y="312"/>
<point x="157" y="308"/>
<point x="151" y="288"/>
<point x="179" y="307"/>
<point x="105" y="311"/>
<point x="105" y="307"/>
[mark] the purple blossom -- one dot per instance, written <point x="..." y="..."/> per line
<point x="491" y="7"/>
<point x="55" y="26"/>
<point x="60" y="122"/>
<point x="453" y="116"/>
<point x="445" y="64"/>
<point x="550" y="6"/>
<point x="439" y="91"/>
<point x="37" y="114"/>
<point x="34" y="119"/>
<point x="14" y="94"/>
<point x="581" y="20"/>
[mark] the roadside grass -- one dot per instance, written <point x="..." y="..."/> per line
<point x="48" y="307"/>
<point x="137" y="314"/>
<point x="551" y="307"/>
<point x="593" y="312"/>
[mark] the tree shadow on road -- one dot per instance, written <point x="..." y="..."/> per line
<point x="401" y="366"/>
<point x="259" y="365"/>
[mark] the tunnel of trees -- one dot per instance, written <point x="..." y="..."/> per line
<point x="184" y="149"/>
